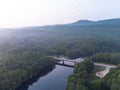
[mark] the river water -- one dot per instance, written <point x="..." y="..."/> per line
<point x="56" y="79"/>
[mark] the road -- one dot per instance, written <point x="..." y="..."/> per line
<point x="103" y="73"/>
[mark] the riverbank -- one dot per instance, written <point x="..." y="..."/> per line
<point x="43" y="72"/>
<point x="54" y="80"/>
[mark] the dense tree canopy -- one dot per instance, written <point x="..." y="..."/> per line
<point x="15" y="69"/>
<point x="79" y="80"/>
<point x="81" y="72"/>
<point x="110" y="58"/>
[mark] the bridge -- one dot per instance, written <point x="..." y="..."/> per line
<point x="100" y="74"/>
<point x="62" y="60"/>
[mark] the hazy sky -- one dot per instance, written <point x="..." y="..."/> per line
<point x="22" y="13"/>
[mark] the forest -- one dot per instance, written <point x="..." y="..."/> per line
<point x="25" y="52"/>
<point x="16" y="69"/>
<point x="80" y="79"/>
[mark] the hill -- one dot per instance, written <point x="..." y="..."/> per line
<point x="115" y="21"/>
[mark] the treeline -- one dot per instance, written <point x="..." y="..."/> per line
<point x="73" y="48"/>
<point x="16" y="69"/>
<point x="83" y="47"/>
<point x="79" y="80"/>
<point x="110" y="58"/>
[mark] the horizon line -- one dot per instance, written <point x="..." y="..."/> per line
<point x="30" y="26"/>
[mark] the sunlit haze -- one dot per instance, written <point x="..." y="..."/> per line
<point x="23" y="13"/>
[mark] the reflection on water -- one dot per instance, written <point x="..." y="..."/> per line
<point x="55" y="80"/>
<point x="26" y="84"/>
<point x="51" y="79"/>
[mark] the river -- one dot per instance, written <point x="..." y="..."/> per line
<point x="54" y="79"/>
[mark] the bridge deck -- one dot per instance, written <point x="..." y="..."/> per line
<point x="65" y="59"/>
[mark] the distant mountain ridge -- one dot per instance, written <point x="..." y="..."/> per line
<point x="115" y="21"/>
<point x="90" y="22"/>
<point x="84" y="22"/>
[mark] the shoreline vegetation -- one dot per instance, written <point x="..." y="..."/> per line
<point x="81" y="79"/>
<point x="45" y="71"/>
<point x="20" y="68"/>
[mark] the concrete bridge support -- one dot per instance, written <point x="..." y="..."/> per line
<point x="63" y="62"/>
<point x="75" y="63"/>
